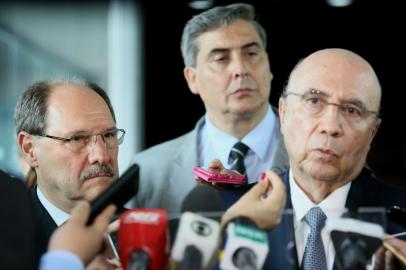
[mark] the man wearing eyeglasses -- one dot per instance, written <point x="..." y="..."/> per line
<point x="66" y="131"/>
<point x="329" y="115"/>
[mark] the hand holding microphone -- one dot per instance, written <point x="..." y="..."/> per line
<point x="264" y="203"/>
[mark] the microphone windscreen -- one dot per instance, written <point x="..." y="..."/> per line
<point x="397" y="215"/>
<point x="202" y="198"/>
<point x="245" y="245"/>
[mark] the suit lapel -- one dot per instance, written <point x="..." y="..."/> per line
<point x="282" y="253"/>
<point x="181" y="180"/>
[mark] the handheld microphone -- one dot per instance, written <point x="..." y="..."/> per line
<point x="120" y="191"/>
<point x="143" y="239"/>
<point x="246" y="246"/>
<point x="354" y="241"/>
<point x="196" y="241"/>
<point x="397" y="214"/>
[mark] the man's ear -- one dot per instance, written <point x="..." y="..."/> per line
<point x="376" y="127"/>
<point x="281" y="109"/>
<point x="26" y="145"/>
<point x="190" y="76"/>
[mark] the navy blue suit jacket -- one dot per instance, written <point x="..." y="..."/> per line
<point x="365" y="191"/>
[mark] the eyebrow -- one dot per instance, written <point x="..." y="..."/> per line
<point x="353" y="101"/>
<point x="83" y="132"/>
<point x="224" y="50"/>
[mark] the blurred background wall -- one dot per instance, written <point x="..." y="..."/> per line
<point x="131" y="48"/>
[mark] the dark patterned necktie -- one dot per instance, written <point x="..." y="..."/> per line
<point x="237" y="155"/>
<point x="314" y="257"/>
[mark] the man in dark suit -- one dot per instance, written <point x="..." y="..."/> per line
<point x="18" y="244"/>
<point x="329" y="115"/>
<point x="67" y="133"/>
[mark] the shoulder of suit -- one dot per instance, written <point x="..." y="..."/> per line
<point x="167" y="147"/>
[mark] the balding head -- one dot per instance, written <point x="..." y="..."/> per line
<point x="339" y="65"/>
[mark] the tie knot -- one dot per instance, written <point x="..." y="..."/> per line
<point x="239" y="150"/>
<point x="316" y="219"/>
<point x="237" y="154"/>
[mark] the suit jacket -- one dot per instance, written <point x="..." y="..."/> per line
<point x="46" y="223"/>
<point x="166" y="170"/>
<point x="365" y="191"/>
<point x="18" y="244"/>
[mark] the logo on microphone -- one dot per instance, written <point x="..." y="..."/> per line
<point x="143" y="217"/>
<point x="201" y="228"/>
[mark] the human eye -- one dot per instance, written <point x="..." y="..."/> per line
<point x="78" y="141"/>
<point x="110" y="134"/>
<point x="352" y="111"/>
<point x="314" y="103"/>
<point x="313" y="100"/>
<point x="220" y="59"/>
<point x="77" y="138"/>
<point x="252" y="53"/>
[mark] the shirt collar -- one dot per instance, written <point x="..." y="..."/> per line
<point x="333" y="206"/>
<point x="58" y="215"/>
<point x="258" y="139"/>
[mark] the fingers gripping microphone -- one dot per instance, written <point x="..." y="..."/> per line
<point x="196" y="241"/>
<point x="246" y="246"/>
<point x="143" y="239"/>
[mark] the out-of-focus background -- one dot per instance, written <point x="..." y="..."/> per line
<point x="131" y="48"/>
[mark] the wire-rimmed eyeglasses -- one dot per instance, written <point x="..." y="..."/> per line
<point x="315" y="102"/>
<point x="112" y="138"/>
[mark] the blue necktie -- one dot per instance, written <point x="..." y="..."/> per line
<point x="314" y="257"/>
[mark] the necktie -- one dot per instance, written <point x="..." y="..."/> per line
<point x="237" y="154"/>
<point x="314" y="257"/>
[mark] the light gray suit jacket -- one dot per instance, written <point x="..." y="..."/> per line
<point x="166" y="170"/>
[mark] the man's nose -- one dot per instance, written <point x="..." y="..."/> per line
<point x="98" y="150"/>
<point x="331" y="121"/>
<point x="240" y="67"/>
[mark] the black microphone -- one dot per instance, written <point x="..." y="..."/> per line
<point x="397" y="214"/>
<point x="246" y="246"/>
<point x="355" y="241"/>
<point x="202" y="199"/>
<point x="118" y="193"/>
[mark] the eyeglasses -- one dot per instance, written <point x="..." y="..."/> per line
<point x="315" y="103"/>
<point x="78" y="143"/>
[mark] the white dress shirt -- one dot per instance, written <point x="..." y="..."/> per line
<point x="216" y="144"/>
<point x="58" y="215"/>
<point x="333" y="207"/>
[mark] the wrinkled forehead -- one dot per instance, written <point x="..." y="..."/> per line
<point x="340" y="76"/>
<point x="77" y="108"/>
<point x="228" y="36"/>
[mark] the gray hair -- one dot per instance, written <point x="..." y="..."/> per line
<point x="31" y="108"/>
<point x="212" y="19"/>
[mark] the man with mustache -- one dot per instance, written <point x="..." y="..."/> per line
<point x="66" y="131"/>
<point x="226" y="64"/>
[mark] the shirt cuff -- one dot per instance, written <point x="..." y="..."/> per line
<point x="53" y="260"/>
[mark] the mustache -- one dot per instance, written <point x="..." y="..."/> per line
<point x="97" y="170"/>
<point x="239" y="84"/>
